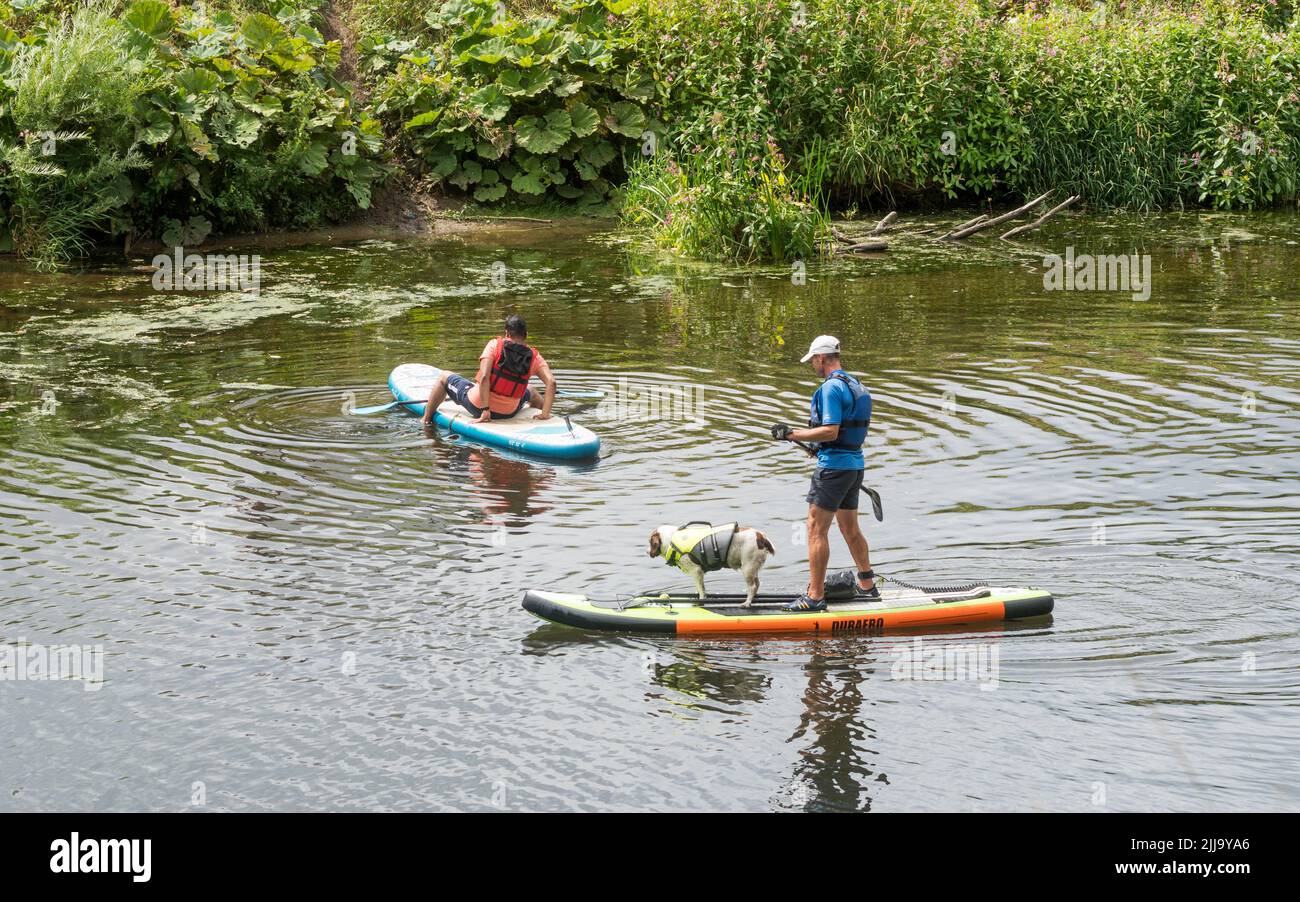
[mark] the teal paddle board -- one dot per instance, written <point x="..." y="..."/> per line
<point x="557" y="437"/>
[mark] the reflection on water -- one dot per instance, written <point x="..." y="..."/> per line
<point x="304" y="609"/>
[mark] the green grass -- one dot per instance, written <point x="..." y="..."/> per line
<point x="715" y="209"/>
<point x="66" y="149"/>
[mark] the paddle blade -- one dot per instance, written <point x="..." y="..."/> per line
<point x="876" y="507"/>
<point x="380" y="408"/>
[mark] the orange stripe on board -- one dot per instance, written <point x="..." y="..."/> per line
<point x="833" y="624"/>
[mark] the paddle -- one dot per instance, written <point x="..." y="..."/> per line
<point x="380" y="408"/>
<point x="876" y="506"/>
<point x="592" y="393"/>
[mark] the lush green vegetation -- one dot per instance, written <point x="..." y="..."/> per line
<point x="886" y="103"/>
<point x="496" y="103"/>
<point x="700" y="208"/>
<point x="157" y="121"/>
<point x="727" y="128"/>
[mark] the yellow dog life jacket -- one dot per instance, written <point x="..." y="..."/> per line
<point x="705" y="544"/>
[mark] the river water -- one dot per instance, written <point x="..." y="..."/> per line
<point x="306" y="610"/>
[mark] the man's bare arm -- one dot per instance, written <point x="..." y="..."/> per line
<point x="816" y="433"/>
<point x="544" y="373"/>
<point x="484" y="381"/>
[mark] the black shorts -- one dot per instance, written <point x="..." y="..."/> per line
<point x="835" y="490"/>
<point x="458" y="390"/>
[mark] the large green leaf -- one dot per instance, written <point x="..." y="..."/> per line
<point x="156" y="130"/>
<point x="626" y="119"/>
<point x="288" y="62"/>
<point x="524" y="82"/>
<point x="240" y="127"/>
<point x="490" y="102"/>
<point x="552" y="46"/>
<point x="309" y="34"/>
<point x="566" y="85"/>
<point x="198" y="82"/>
<point x="185" y="234"/>
<point x="443" y="164"/>
<point x="489" y="151"/>
<point x="467" y="174"/>
<point x="198" y="141"/>
<point x="591" y="52"/>
<point x="529" y="33"/>
<point x="423" y="119"/>
<point x="528" y="183"/>
<point x="314" y="159"/>
<point x="597" y="152"/>
<point x="638" y="86"/>
<point x="596" y="192"/>
<point x="207" y="49"/>
<point x="584" y="118"/>
<point x="544" y="135"/>
<point x="247" y="96"/>
<point x="360" y="192"/>
<point x="490" y="52"/>
<point x="262" y="33"/>
<point x="489" y="193"/>
<point x="151" y="17"/>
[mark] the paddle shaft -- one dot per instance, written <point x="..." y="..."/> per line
<point x="561" y="393"/>
<point x="876" y="507"/>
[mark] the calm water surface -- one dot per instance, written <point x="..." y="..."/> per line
<point x="306" y="610"/>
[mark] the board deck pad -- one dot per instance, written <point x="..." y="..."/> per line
<point x="730" y="605"/>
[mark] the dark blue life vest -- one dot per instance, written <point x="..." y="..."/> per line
<point x="853" y="422"/>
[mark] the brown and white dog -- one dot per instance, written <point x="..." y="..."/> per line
<point x="749" y="551"/>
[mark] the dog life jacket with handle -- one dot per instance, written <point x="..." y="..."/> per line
<point x="705" y="544"/>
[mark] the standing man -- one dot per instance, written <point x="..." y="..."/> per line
<point x="841" y="414"/>
<point x="500" y="389"/>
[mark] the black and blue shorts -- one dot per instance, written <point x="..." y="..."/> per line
<point x="835" y="490"/>
<point x="458" y="390"/>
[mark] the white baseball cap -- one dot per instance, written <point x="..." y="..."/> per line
<point x="822" y="344"/>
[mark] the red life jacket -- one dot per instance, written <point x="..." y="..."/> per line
<point x="511" y="368"/>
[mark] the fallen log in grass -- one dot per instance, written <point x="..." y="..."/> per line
<point x="1028" y="227"/>
<point x="967" y="224"/>
<point x="866" y="247"/>
<point x="984" y="222"/>
<point x="867" y="243"/>
<point x="863" y="244"/>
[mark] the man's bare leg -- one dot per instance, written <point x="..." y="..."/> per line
<point x="436" y="396"/>
<point x="819" y="549"/>
<point x="852" y="531"/>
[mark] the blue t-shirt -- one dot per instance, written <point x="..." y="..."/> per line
<point x="833" y="403"/>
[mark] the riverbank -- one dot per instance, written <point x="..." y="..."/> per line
<point x="733" y="130"/>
